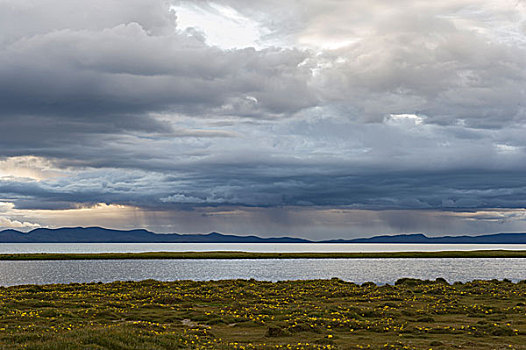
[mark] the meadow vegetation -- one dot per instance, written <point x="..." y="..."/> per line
<point x="250" y="314"/>
<point x="257" y="255"/>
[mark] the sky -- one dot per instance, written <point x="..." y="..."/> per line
<point x="316" y="118"/>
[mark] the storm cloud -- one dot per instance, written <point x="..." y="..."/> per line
<point x="391" y="109"/>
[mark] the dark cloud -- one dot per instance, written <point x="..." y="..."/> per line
<point x="125" y="70"/>
<point x="245" y="186"/>
<point x="372" y="107"/>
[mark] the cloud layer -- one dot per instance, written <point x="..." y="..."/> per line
<point x="370" y="107"/>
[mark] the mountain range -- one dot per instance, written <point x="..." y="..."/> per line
<point x="103" y="235"/>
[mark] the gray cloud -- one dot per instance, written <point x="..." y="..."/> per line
<point x="277" y="186"/>
<point x="372" y="107"/>
<point x="69" y="80"/>
<point x="126" y="70"/>
<point x="457" y="61"/>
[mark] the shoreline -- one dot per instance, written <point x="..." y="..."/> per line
<point x="256" y="255"/>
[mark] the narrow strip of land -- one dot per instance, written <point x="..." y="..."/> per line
<point x="256" y="255"/>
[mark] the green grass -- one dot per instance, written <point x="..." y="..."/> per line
<point x="249" y="314"/>
<point x="248" y="255"/>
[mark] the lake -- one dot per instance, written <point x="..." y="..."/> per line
<point x="380" y="271"/>
<point x="245" y="247"/>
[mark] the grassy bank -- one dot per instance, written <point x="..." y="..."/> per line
<point x="241" y="314"/>
<point x="248" y="255"/>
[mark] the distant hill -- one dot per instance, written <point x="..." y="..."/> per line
<point x="497" y="238"/>
<point x="102" y="235"/>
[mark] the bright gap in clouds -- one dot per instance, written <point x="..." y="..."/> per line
<point x="223" y="26"/>
<point x="27" y="167"/>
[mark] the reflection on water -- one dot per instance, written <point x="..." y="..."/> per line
<point x="245" y="247"/>
<point x="380" y="271"/>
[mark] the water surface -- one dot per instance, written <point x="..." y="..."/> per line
<point x="380" y="271"/>
<point x="245" y="247"/>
